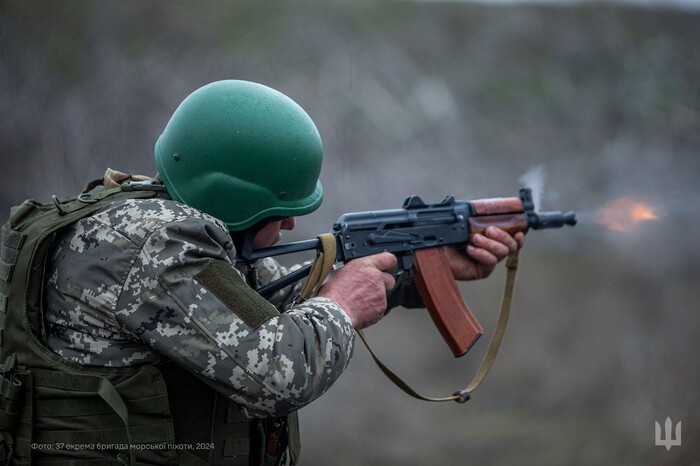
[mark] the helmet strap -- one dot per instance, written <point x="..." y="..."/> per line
<point x="243" y="240"/>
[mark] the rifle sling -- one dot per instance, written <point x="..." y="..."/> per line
<point x="321" y="267"/>
<point x="464" y="395"/>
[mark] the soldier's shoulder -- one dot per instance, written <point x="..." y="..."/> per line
<point x="140" y="217"/>
<point x="127" y="225"/>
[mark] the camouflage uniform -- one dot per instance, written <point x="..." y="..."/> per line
<point x="124" y="289"/>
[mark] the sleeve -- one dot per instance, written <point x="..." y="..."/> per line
<point x="183" y="297"/>
<point x="269" y="270"/>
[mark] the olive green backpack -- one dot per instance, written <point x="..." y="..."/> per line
<point x="47" y="394"/>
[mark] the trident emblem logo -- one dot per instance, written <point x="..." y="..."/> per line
<point x="669" y="441"/>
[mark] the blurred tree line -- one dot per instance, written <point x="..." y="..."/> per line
<point x="429" y="99"/>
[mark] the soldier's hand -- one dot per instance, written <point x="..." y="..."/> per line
<point x="360" y="288"/>
<point x="482" y="253"/>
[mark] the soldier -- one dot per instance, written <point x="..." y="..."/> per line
<point x="147" y="310"/>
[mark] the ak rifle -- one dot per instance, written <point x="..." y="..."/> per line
<point x="415" y="234"/>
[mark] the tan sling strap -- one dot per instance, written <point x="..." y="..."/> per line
<point x="114" y="179"/>
<point x="321" y="267"/>
<point x="464" y="395"/>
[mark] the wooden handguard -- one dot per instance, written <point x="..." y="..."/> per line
<point x="506" y="213"/>
<point x="510" y="223"/>
<point x="437" y="286"/>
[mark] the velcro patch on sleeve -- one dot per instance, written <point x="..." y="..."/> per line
<point x="227" y="285"/>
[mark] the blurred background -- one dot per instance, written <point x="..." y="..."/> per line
<point x="590" y="103"/>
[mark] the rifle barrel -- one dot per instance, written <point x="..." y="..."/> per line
<point x="543" y="220"/>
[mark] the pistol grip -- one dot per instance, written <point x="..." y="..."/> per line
<point x="454" y="320"/>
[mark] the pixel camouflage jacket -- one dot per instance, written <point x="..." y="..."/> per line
<point x="124" y="289"/>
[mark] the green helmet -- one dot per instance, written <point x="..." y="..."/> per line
<point x="242" y="152"/>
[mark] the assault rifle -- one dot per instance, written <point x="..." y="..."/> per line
<point x="415" y="234"/>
